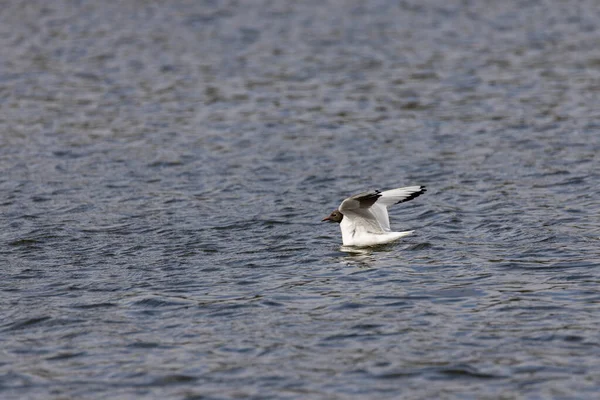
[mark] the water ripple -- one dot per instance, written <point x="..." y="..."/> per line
<point x="166" y="167"/>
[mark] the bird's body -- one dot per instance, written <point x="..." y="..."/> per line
<point x="364" y="220"/>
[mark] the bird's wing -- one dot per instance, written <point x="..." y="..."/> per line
<point x="360" y="201"/>
<point x="380" y="212"/>
<point x="360" y="209"/>
<point x="372" y="205"/>
<point x="400" y="195"/>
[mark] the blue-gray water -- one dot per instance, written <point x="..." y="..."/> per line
<point x="165" y="167"/>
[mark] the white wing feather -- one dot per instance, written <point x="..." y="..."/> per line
<point x="400" y="195"/>
<point x="371" y="207"/>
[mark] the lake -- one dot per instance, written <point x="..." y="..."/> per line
<point x="166" y="166"/>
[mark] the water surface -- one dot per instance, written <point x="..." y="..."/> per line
<point x="165" y="167"/>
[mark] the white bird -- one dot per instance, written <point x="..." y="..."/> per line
<point x="364" y="220"/>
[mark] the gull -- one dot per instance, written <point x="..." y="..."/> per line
<point x="364" y="220"/>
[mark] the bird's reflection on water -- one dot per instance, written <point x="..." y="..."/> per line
<point x="364" y="257"/>
<point x="360" y="257"/>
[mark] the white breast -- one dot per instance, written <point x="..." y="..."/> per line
<point x="355" y="233"/>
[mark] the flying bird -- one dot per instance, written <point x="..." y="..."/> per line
<point x="364" y="220"/>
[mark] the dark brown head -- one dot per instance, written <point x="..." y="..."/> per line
<point x="335" y="216"/>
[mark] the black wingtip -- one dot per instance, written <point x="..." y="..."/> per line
<point x="414" y="195"/>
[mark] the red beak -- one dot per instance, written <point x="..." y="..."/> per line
<point x="326" y="219"/>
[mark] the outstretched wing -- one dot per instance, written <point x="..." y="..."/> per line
<point x="372" y="206"/>
<point x="359" y="201"/>
<point x="360" y="209"/>
<point x="400" y="195"/>
<point x="391" y="197"/>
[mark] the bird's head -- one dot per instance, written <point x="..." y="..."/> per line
<point x="335" y="216"/>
